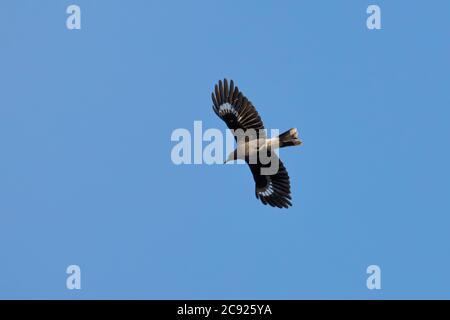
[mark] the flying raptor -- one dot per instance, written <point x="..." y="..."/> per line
<point x="241" y="117"/>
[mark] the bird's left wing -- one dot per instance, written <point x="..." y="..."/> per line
<point x="234" y="108"/>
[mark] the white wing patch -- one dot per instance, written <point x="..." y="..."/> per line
<point x="227" y="108"/>
<point x="268" y="190"/>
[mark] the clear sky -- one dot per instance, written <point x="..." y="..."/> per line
<point x="86" y="176"/>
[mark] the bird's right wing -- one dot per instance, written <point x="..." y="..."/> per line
<point x="274" y="190"/>
<point x="235" y="109"/>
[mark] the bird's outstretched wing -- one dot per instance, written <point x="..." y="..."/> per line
<point x="234" y="108"/>
<point x="274" y="190"/>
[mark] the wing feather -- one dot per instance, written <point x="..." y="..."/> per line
<point x="275" y="189"/>
<point x="234" y="108"/>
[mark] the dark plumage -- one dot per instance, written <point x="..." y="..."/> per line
<point x="239" y="113"/>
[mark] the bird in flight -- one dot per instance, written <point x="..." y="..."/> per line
<point x="239" y="114"/>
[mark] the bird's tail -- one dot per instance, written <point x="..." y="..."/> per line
<point x="289" y="138"/>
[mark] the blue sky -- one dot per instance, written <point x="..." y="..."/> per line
<point x="86" y="176"/>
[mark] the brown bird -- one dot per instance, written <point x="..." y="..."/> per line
<point x="271" y="187"/>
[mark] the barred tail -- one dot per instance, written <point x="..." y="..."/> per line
<point x="289" y="138"/>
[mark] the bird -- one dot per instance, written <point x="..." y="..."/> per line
<point x="241" y="117"/>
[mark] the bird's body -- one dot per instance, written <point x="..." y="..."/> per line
<point x="249" y="149"/>
<point x="272" y="186"/>
<point x="252" y="149"/>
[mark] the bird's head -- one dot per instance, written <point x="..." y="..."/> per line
<point x="231" y="157"/>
